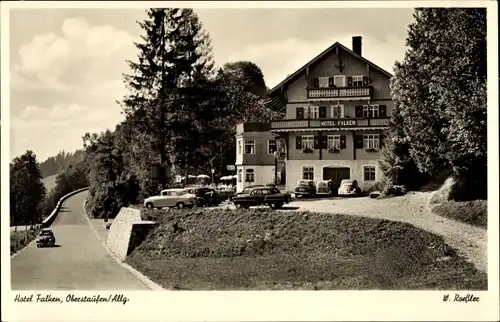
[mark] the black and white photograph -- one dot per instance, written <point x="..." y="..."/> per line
<point x="173" y="148"/>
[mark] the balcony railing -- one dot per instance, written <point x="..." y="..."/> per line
<point x="329" y="123"/>
<point x="343" y="92"/>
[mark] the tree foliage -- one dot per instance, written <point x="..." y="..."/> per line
<point x="27" y="191"/>
<point x="53" y="165"/>
<point x="439" y="90"/>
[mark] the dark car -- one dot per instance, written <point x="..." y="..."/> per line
<point x="248" y="189"/>
<point x="205" y="196"/>
<point x="262" y="196"/>
<point x="305" y="188"/>
<point x="46" y="238"/>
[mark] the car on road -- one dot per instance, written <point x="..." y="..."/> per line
<point x="305" y="188"/>
<point x="46" y="238"/>
<point x="349" y="187"/>
<point x="248" y="189"/>
<point x="205" y="196"/>
<point x="179" y="198"/>
<point x="324" y="188"/>
<point x="269" y="196"/>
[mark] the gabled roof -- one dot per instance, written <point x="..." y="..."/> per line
<point x="321" y="56"/>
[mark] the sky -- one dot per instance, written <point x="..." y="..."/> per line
<point x="66" y="65"/>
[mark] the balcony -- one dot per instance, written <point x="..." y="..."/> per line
<point x="326" y="124"/>
<point x="345" y="93"/>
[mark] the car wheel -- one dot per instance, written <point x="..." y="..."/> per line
<point x="180" y="205"/>
<point x="276" y="205"/>
<point x="149" y="205"/>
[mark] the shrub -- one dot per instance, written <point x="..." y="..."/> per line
<point x="20" y="239"/>
<point x="394" y="190"/>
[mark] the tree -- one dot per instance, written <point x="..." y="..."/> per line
<point x="27" y="190"/>
<point x="439" y="91"/>
<point x="248" y="75"/>
<point x="165" y="97"/>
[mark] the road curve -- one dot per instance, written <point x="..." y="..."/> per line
<point x="79" y="262"/>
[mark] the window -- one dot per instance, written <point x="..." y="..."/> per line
<point x="333" y="142"/>
<point x="337" y="111"/>
<point x="240" y="147"/>
<point x="308" y="142"/>
<point x="250" y="176"/>
<point x="339" y="81"/>
<point x="306" y="112"/>
<point x="357" y="81"/>
<point x="307" y="173"/>
<point x="249" y="146"/>
<point x="369" y="173"/>
<point x="240" y="174"/>
<point x="370" y="111"/>
<point x="323" y="81"/>
<point x="271" y="146"/>
<point x="370" y="141"/>
<point x="314" y="112"/>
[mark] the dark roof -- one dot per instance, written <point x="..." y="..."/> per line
<point x="319" y="57"/>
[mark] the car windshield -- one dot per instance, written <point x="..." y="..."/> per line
<point x="46" y="233"/>
<point x="304" y="183"/>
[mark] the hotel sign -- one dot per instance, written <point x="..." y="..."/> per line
<point x="338" y="123"/>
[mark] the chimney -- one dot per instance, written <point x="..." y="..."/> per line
<point x="356" y="44"/>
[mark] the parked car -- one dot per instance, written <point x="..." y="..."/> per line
<point x="206" y="196"/>
<point x="262" y="196"/>
<point x="179" y="198"/>
<point x="324" y="188"/>
<point x="305" y="188"/>
<point x="349" y="187"/>
<point x="46" y="238"/>
<point x="248" y="189"/>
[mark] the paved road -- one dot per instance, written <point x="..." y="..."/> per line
<point x="80" y="262"/>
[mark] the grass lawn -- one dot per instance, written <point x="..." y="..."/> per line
<point x="273" y="250"/>
<point x="471" y="212"/>
<point x="20" y="239"/>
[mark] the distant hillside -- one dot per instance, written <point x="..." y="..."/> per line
<point x="50" y="182"/>
<point x="53" y="165"/>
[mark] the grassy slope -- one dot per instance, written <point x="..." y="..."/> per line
<point x="20" y="239"/>
<point x="471" y="212"/>
<point x="263" y="249"/>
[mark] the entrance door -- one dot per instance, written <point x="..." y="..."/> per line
<point x="336" y="174"/>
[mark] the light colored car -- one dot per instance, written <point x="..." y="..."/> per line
<point x="324" y="188"/>
<point x="349" y="187"/>
<point x="179" y="198"/>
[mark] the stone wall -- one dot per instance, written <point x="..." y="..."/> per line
<point x="127" y="231"/>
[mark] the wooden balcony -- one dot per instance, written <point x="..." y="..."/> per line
<point x="345" y="93"/>
<point x="333" y="124"/>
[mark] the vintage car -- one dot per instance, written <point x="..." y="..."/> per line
<point x="249" y="189"/>
<point x="324" y="188"/>
<point x="262" y="196"/>
<point x="349" y="187"/>
<point x="305" y="188"/>
<point x="206" y="196"/>
<point x="179" y="198"/>
<point x="46" y="238"/>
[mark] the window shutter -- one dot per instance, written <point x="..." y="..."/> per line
<point x="316" y="142"/>
<point x="330" y="82"/>
<point x="300" y="113"/>
<point x="342" y="142"/>
<point x="382" y="111"/>
<point x="365" y="80"/>
<point x="349" y="81"/>
<point x="358" y="142"/>
<point x="316" y="82"/>
<point x="324" y="142"/>
<point x="298" y="142"/>
<point x="381" y="140"/>
<point x="322" y="112"/>
<point x="359" y="111"/>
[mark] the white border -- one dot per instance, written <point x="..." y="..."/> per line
<point x="268" y="306"/>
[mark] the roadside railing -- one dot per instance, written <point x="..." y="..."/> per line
<point x="53" y="215"/>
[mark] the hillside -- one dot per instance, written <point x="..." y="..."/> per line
<point x="53" y="165"/>
<point x="50" y="182"/>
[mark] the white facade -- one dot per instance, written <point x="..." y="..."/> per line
<point x="294" y="171"/>
<point x="249" y="175"/>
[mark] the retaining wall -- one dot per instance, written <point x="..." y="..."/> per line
<point x="127" y="231"/>
<point x="53" y="215"/>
